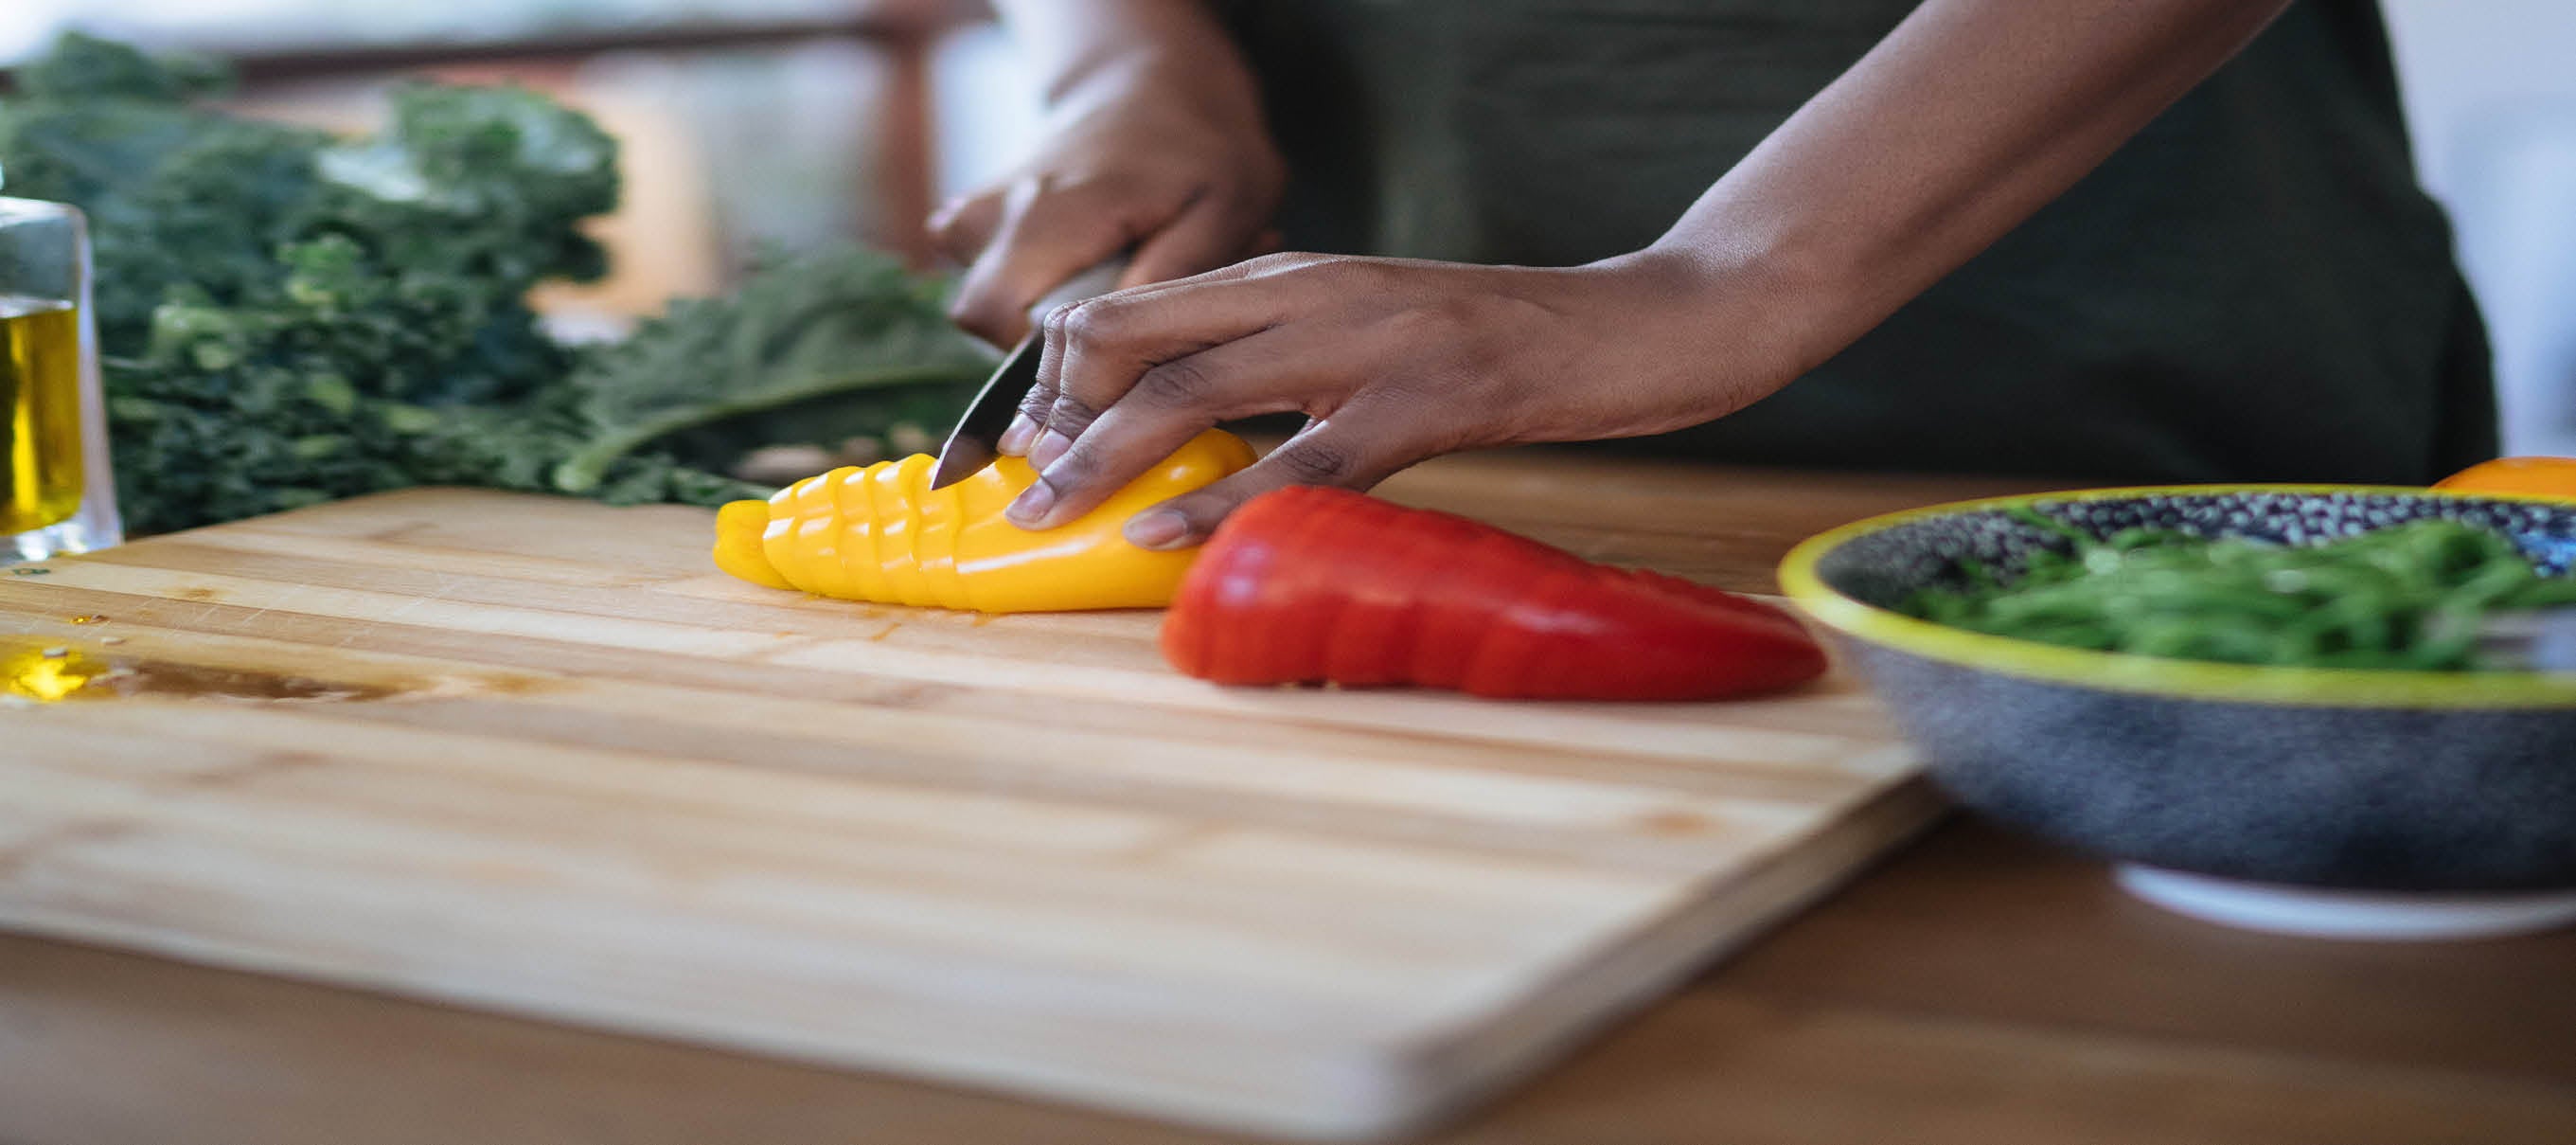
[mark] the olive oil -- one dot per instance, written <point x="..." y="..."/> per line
<point x="40" y="451"/>
<point x="45" y="673"/>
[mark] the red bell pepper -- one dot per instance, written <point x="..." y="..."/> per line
<point x="1312" y="585"/>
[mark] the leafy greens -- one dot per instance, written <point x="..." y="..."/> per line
<point x="2408" y="596"/>
<point x="286" y="317"/>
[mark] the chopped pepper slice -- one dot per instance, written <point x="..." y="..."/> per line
<point x="880" y="533"/>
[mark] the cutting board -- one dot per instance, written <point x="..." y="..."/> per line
<point x="535" y="756"/>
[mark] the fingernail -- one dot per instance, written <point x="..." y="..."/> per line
<point x="1157" y="529"/>
<point x="1031" y="506"/>
<point x="1015" y="440"/>
<point x="1048" y="448"/>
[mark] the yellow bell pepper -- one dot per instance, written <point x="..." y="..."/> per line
<point x="880" y="534"/>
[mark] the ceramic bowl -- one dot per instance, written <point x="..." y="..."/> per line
<point x="2362" y="780"/>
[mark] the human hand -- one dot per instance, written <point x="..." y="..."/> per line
<point x="1392" y="361"/>
<point x="1145" y="157"/>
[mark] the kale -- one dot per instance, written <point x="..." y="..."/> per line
<point x="287" y="318"/>
<point x="727" y="375"/>
<point x="176" y="197"/>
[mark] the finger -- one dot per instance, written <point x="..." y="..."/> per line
<point x="1041" y="400"/>
<point x="1097" y="350"/>
<point x="1045" y="237"/>
<point x="1028" y="421"/>
<point x="1354" y="449"/>
<point x="1267" y="373"/>
<point x="964" y="226"/>
<point x="1039" y="404"/>
<point x="1207" y="234"/>
<point x="1053" y="327"/>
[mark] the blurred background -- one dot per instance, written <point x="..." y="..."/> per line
<point x="750" y="123"/>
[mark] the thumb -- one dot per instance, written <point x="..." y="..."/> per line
<point x="1349" y="450"/>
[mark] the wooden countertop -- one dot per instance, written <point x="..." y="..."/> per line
<point x="1978" y="988"/>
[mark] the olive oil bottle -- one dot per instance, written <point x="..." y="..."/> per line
<point x="41" y="477"/>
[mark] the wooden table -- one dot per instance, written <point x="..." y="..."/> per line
<point x="1978" y="989"/>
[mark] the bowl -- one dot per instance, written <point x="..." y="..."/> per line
<point x="2353" y="800"/>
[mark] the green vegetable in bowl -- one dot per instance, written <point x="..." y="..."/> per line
<point x="2407" y="597"/>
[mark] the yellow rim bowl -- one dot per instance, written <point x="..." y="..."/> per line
<point x="2155" y="675"/>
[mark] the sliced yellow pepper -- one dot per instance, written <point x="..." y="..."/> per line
<point x="879" y="533"/>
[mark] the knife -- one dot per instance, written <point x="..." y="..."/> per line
<point x="977" y="439"/>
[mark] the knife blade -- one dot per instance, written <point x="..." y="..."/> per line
<point x="977" y="439"/>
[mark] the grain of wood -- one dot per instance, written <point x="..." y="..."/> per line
<point x="590" y="781"/>
<point x="1976" y="989"/>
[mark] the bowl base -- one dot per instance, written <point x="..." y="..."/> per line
<point x="2322" y="912"/>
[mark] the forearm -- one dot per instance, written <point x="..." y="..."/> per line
<point x="1967" y="119"/>
<point x="1078" y="44"/>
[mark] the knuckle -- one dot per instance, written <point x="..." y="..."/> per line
<point x="1205" y="509"/>
<point x="1458" y="332"/>
<point x="1075" y="469"/>
<point x="1342" y="275"/>
<point x="1177" y="383"/>
<point x="1055" y="324"/>
<point x="1367" y="276"/>
<point x="1424" y="325"/>
<point x="1037" y="402"/>
<point x="1070" y="415"/>
<point x="1280" y="262"/>
<point x="1091" y="325"/>
<point x="1315" y="462"/>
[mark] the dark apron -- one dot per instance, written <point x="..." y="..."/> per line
<point x="2255" y="288"/>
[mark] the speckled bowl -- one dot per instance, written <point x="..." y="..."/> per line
<point x="2321" y="778"/>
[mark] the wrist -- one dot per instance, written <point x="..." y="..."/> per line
<point x="1771" y="310"/>
<point x="1722" y="318"/>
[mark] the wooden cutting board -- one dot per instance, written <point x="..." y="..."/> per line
<point x="536" y="756"/>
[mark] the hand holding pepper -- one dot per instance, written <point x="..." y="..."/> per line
<point x="1392" y="360"/>
<point x="1929" y="148"/>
